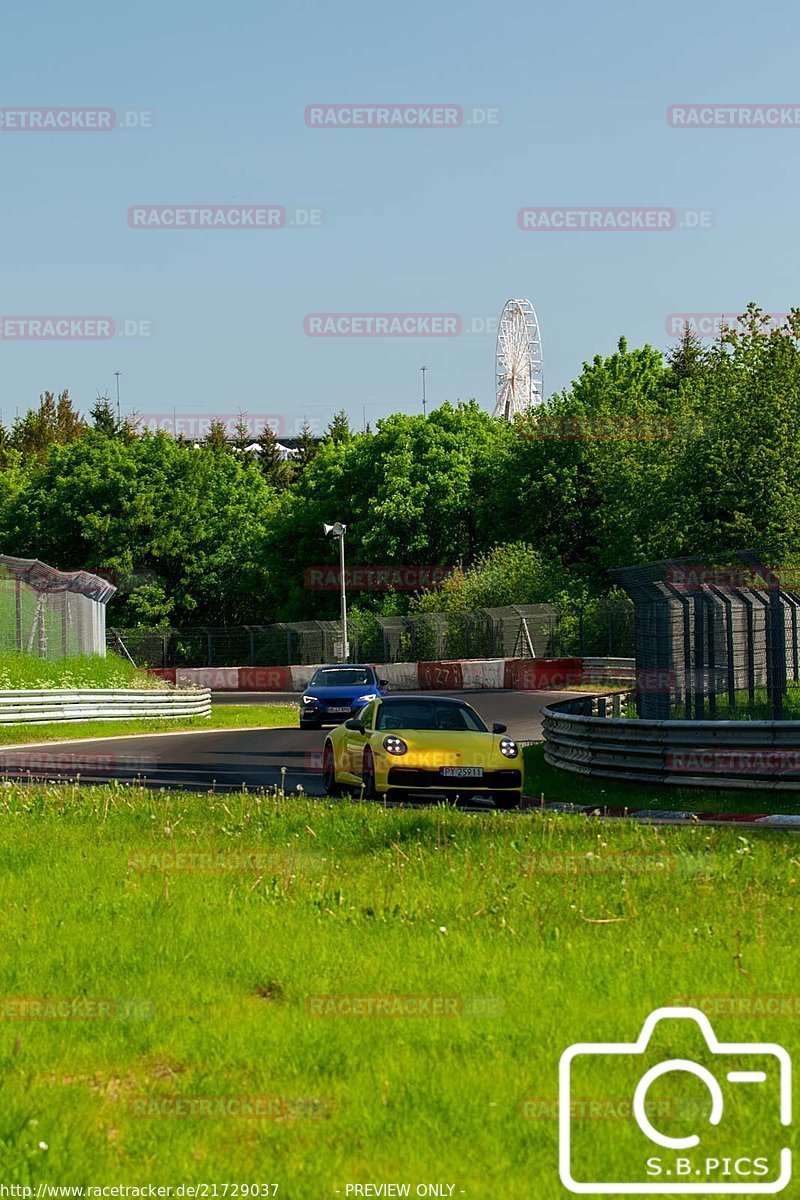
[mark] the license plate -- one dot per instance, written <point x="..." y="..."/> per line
<point x="340" y="710"/>
<point x="461" y="772"/>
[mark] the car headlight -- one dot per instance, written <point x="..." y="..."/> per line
<point x="309" y="699"/>
<point x="366" y="699"/>
<point x="509" y="748"/>
<point x="394" y="745"/>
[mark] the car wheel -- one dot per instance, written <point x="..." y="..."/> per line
<point x="332" y="788"/>
<point x="368" y="775"/>
<point x="507" y="799"/>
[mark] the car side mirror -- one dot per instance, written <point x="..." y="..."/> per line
<point x="383" y="682"/>
<point x="356" y="725"/>
<point x="499" y="727"/>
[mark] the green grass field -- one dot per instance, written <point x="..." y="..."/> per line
<point x="537" y="930"/>
<point x="78" y="671"/>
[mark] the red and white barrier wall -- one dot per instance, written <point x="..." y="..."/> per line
<point x="523" y="674"/>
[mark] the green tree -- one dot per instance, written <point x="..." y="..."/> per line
<point x="307" y="445"/>
<point x="278" y="472"/>
<point x="217" y="437"/>
<point x="339" y="429"/>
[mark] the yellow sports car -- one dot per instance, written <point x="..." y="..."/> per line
<point x="401" y="745"/>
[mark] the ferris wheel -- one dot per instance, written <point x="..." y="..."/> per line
<point x="519" y="362"/>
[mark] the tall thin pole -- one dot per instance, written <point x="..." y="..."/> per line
<point x="119" y="415"/>
<point x="424" y="407"/>
<point x="345" y="646"/>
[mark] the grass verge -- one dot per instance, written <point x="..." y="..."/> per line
<point x="555" y="785"/>
<point x="197" y="931"/>
<point x="227" y="716"/>
<point x="78" y="671"/>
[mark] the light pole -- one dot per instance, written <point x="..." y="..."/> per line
<point x="338" y="530"/>
<point x="424" y="398"/>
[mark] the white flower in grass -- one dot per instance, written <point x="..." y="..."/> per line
<point x="43" y="1145"/>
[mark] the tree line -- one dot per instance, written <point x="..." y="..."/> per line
<point x="646" y="455"/>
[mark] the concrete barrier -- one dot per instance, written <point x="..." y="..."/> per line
<point x="524" y="674"/>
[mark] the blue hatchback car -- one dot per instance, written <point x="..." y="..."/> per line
<point x="336" y="693"/>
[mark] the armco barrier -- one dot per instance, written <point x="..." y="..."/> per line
<point x="66" y="704"/>
<point x="587" y="736"/>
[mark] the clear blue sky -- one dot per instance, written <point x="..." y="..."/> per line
<point x="414" y="220"/>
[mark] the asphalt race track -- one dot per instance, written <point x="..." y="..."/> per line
<point x="228" y="759"/>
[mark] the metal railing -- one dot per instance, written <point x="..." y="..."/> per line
<point x="66" y="704"/>
<point x="580" y="737"/>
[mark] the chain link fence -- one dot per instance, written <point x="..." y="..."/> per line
<point x="515" y="631"/>
<point x="49" y="613"/>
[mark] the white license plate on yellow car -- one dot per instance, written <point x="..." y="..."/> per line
<point x="461" y="772"/>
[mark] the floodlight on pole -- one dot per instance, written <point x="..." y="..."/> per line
<point x="338" y="530"/>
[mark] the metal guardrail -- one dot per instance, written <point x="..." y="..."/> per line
<point x="758" y="755"/>
<point x="67" y="704"/>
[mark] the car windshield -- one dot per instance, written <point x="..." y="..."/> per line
<point x="428" y="714"/>
<point x="341" y="677"/>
